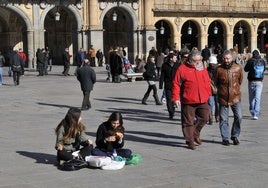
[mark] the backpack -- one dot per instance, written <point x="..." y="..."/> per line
<point x="258" y="68"/>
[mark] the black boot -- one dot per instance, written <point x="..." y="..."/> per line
<point x="157" y="101"/>
<point x="145" y="99"/>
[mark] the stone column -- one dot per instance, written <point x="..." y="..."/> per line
<point x="177" y="40"/>
<point x="93" y="16"/>
<point x="148" y="14"/>
<point x="229" y="40"/>
<point x="203" y="40"/>
<point x="253" y="39"/>
<point x="149" y="39"/>
<point x="31" y="52"/>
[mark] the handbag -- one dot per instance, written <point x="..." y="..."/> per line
<point x="74" y="164"/>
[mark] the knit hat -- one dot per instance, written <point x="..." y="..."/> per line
<point x="213" y="60"/>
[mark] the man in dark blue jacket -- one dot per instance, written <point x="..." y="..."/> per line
<point x="87" y="78"/>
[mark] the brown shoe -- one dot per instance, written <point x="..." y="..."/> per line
<point x="191" y="145"/>
<point x="198" y="141"/>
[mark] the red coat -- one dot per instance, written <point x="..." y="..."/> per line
<point x="191" y="86"/>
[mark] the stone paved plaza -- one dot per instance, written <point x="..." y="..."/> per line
<point x="31" y="111"/>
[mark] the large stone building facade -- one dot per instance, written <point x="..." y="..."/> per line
<point x="137" y="25"/>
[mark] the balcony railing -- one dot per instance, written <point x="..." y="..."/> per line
<point x="221" y="6"/>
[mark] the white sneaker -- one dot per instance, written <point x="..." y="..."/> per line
<point x="164" y="100"/>
<point x="255" y="118"/>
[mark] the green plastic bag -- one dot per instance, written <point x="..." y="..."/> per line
<point x="134" y="160"/>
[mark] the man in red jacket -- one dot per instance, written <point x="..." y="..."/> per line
<point x="191" y="89"/>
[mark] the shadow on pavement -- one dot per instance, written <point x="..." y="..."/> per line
<point x="55" y="105"/>
<point x="42" y="158"/>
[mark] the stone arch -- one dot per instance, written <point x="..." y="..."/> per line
<point x="110" y="33"/>
<point x="218" y="40"/>
<point x="242" y="40"/>
<point x="127" y="8"/>
<point x="166" y="40"/>
<point x="71" y="8"/>
<point x="193" y="39"/>
<point x="55" y="39"/>
<point x="23" y="15"/>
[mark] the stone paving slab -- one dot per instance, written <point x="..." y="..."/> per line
<point x="31" y="111"/>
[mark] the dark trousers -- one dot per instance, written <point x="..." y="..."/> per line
<point x="169" y="103"/>
<point x="86" y="102"/>
<point x="126" y="153"/>
<point x="193" y="117"/>
<point x="66" y="68"/>
<point x="67" y="155"/>
<point x="150" y="88"/>
<point x="16" y="77"/>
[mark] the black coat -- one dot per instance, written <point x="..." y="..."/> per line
<point x="115" y="64"/>
<point x="87" y="78"/>
<point x="105" y="130"/>
<point x="150" y="71"/>
<point x="167" y="74"/>
<point x="16" y="61"/>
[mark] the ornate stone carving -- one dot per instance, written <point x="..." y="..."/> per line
<point x="205" y="22"/>
<point x="102" y="5"/>
<point x="135" y="5"/>
<point x="177" y="21"/>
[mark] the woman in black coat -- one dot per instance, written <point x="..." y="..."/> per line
<point x="110" y="137"/>
<point x="150" y="75"/>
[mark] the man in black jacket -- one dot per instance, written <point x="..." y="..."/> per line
<point x="87" y="78"/>
<point x="16" y="63"/>
<point x="168" y="71"/>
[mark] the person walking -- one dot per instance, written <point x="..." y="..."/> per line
<point x="213" y="99"/>
<point x="92" y="56"/>
<point x="24" y="58"/>
<point x="159" y="63"/>
<point x="191" y="89"/>
<point x="206" y="54"/>
<point x="87" y="78"/>
<point x="16" y="63"/>
<point x="150" y="76"/>
<point x="116" y="66"/>
<point x="71" y="137"/>
<point x="255" y="67"/>
<point x="100" y="57"/>
<point x="66" y="62"/>
<point x="2" y="63"/>
<point x="41" y="62"/>
<point x="228" y="79"/>
<point x="168" y="72"/>
<point x="80" y="57"/>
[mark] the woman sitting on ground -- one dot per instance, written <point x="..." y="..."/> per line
<point x="110" y="136"/>
<point x="70" y="136"/>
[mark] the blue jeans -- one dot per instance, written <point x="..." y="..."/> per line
<point x="126" y="153"/>
<point x="224" y="120"/>
<point x="254" y="95"/>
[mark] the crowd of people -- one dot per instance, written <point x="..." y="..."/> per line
<point x="203" y="84"/>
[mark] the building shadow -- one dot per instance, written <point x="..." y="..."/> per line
<point x="42" y="158"/>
